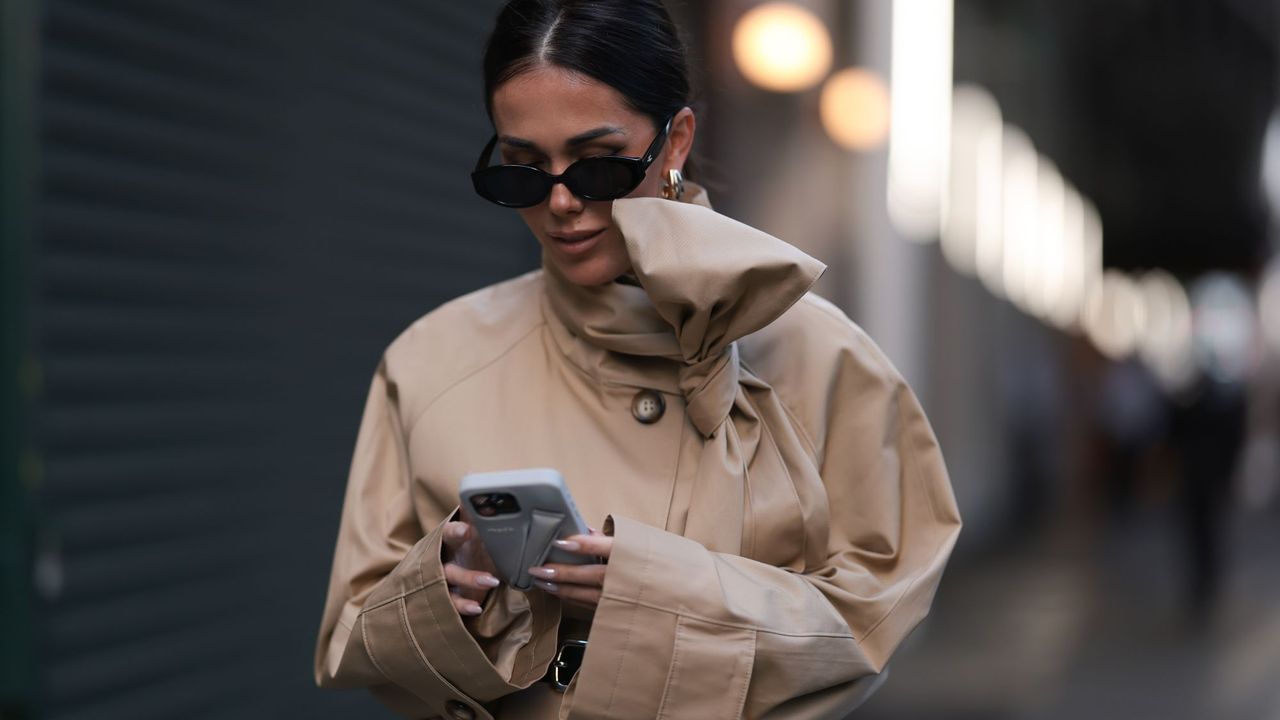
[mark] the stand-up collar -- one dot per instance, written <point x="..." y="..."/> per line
<point x="705" y="280"/>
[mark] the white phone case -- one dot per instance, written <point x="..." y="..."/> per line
<point x="518" y="539"/>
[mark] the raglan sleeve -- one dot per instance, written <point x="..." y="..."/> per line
<point x="389" y="624"/>
<point x="682" y="631"/>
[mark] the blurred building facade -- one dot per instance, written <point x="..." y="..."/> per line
<point x="238" y="206"/>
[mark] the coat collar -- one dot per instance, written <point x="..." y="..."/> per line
<point x="705" y="280"/>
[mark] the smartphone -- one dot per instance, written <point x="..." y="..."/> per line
<point x="517" y="514"/>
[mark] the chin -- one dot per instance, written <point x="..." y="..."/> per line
<point x="592" y="271"/>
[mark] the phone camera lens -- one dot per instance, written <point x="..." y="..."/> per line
<point x="491" y="504"/>
<point x="506" y="503"/>
<point x="482" y="503"/>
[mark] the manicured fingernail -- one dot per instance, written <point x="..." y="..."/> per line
<point x="473" y="609"/>
<point x="569" y="545"/>
<point x="547" y="586"/>
<point x="459" y="532"/>
<point x="488" y="581"/>
<point x="541" y="572"/>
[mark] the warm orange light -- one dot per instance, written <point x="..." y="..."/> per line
<point x="855" y="109"/>
<point x="782" y="47"/>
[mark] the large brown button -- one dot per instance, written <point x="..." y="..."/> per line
<point x="459" y="710"/>
<point x="647" y="406"/>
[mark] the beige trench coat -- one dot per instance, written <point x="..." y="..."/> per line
<point x="778" y="531"/>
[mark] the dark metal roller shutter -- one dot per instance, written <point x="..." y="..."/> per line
<point x="242" y="204"/>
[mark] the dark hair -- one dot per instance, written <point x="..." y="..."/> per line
<point x="629" y="45"/>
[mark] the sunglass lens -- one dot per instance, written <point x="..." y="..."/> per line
<point x="602" y="178"/>
<point x="512" y="186"/>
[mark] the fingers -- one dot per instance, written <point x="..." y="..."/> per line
<point x="574" y="574"/>
<point x="580" y="584"/>
<point x="466" y="606"/>
<point x="457" y="576"/>
<point x="591" y="545"/>
<point x="468" y="587"/>
<point x="455" y="534"/>
<point x="581" y="594"/>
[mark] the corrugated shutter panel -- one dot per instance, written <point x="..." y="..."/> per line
<point x="243" y="203"/>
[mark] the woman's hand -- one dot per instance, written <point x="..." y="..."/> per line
<point x="578" y="584"/>
<point x="467" y="568"/>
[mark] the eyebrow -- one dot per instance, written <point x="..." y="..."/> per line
<point x="579" y="139"/>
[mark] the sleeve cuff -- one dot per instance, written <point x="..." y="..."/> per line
<point x="644" y="631"/>
<point x="412" y="632"/>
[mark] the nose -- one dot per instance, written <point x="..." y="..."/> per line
<point x="563" y="202"/>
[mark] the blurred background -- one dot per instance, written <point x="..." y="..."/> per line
<point x="1059" y="219"/>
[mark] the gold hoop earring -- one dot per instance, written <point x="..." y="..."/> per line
<point x="673" y="186"/>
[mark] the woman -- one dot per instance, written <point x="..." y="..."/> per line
<point x="776" y="513"/>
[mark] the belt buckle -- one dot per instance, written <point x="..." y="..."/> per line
<point x="565" y="666"/>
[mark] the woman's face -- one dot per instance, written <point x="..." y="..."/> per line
<point x="549" y="117"/>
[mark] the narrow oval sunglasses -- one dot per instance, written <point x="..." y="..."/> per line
<point x="608" y="177"/>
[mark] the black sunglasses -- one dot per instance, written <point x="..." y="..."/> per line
<point x="597" y="178"/>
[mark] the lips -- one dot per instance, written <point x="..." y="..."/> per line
<point x="576" y="242"/>
<point x="575" y="236"/>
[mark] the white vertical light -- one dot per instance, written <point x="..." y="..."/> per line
<point x="1269" y="305"/>
<point x="1114" y="315"/>
<point x="989" y="240"/>
<point x="1021" y="221"/>
<point x="1070" y="302"/>
<point x="920" y="121"/>
<point x="1050" y="254"/>
<point x="1091" y="253"/>
<point x="1271" y="162"/>
<point x="972" y="193"/>
<point x="1224" y="327"/>
<point x="1165" y="341"/>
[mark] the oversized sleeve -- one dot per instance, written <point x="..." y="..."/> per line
<point x="389" y="624"/>
<point x="682" y="631"/>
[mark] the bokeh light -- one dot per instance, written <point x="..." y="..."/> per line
<point x="1165" y="339"/>
<point x="1269" y="305"/>
<point x="782" y="47"/>
<point x="1224" y="327"/>
<point x="973" y="197"/>
<point x="1045" y="289"/>
<point x="920" y="121"/>
<point x="1075" y="272"/>
<point x="989" y="229"/>
<point x="1271" y="162"/>
<point x="1114" y="314"/>
<point x="1021" y="223"/>
<point x="855" y="109"/>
